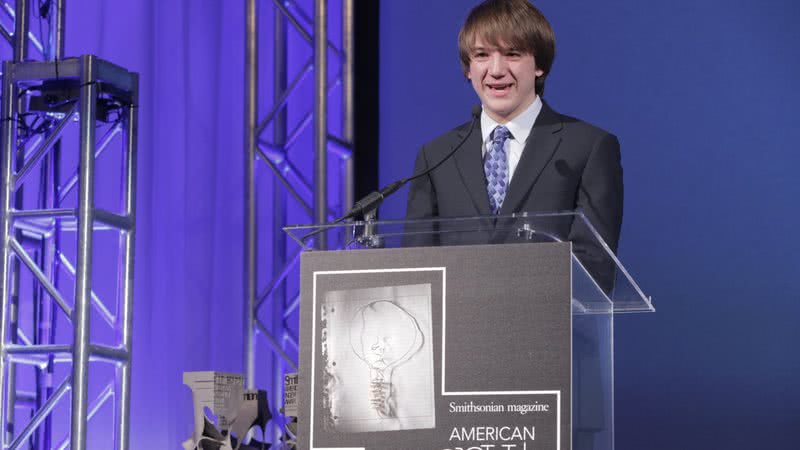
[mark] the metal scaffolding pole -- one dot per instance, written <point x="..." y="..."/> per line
<point x="278" y="207"/>
<point x="44" y="222"/>
<point x="267" y="277"/>
<point x="6" y="366"/>
<point x="251" y="141"/>
<point x="21" y="24"/>
<point x="20" y="53"/>
<point x="348" y="94"/>
<point x="55" y="48"/>
<point x="83" y="285"/>
<point x="321" y="116"/>
<point x="127" y="244"/>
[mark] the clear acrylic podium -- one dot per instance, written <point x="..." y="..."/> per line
<point x="600" y="288"/>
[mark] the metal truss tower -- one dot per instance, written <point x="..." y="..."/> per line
<point x="51" y="247"/>
<point x="291" y="148"/>
<point x="51" y="227"/>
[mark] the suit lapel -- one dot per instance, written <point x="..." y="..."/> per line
<point x="470" y="167"/>
<point x="539" y="149"/>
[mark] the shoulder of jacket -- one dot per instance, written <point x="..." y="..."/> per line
<point x="572" y="124"/>
<point x="445" y="141"/>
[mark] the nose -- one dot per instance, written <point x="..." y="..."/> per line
<point x="497" y="65"/>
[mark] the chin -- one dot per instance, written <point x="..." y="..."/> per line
<point x="500" y="104"/>
<point x="504" y="112"/>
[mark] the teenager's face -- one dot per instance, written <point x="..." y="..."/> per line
<point x="504" y="79"/>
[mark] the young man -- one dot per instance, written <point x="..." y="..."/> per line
<point x="524" y="156"/>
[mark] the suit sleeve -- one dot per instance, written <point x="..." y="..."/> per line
<point x="600" y="197"/>
<point x="422" y="204"/>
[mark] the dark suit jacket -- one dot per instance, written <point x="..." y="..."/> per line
<point x="567" y="164"/>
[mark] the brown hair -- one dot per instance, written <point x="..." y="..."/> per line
<point x="512" y="24"/>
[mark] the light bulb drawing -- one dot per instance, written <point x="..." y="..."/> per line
<point x="377" y="359"/>
<point x="384" y="336"/>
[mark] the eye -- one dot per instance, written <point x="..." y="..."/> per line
<point x="480" y="54"/>
<point x="514" y="54"/>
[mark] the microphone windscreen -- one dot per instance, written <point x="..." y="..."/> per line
<point x="476" y="111"/>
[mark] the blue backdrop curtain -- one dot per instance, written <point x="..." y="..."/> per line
<point x="189" y="266"/>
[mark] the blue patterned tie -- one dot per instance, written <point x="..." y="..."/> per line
<point x="495" y="165"/>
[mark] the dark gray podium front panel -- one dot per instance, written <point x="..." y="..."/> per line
<point x="436" y="348"/>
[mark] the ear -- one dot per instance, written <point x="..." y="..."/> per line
<point x="539" y="72"/>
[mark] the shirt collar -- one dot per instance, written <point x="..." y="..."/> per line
<point x="520" y="126"/>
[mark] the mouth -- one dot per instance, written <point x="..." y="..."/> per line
<point x="499" y="89"/>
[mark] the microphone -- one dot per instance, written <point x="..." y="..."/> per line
<point x="373" y="200"/>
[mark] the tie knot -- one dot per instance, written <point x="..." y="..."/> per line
<point x="500" y="134"/>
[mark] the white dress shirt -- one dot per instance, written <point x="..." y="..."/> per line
<point x="520" y="128"/>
